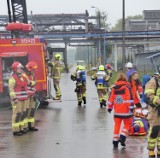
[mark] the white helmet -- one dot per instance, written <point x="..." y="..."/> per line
<point x="129" y="65"/>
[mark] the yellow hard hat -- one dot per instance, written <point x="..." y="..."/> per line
<point x="101" y="68"/>
<point x="58" y="56"/>
<point x="79" y="67"/>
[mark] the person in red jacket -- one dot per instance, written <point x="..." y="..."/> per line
<point x="18" y="96"/>
<point x="31" y="67"/>
<point x="136" y="88"/>
<point x="121" y="100"/>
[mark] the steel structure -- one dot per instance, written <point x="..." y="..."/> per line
<point x="19" y="11"/>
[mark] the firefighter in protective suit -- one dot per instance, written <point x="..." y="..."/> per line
<point x="31" y="67"/>
<point x="108" y="70"/>
<point x="102" y="85"/>
<point x="80" y="77"/>
<point x="56" y="69"/>
<point x="18" y="94"/>
<point x="152" y="92"/>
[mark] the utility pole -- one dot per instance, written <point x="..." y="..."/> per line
<point x="99" y="27"/>
<point x="99" y="42"/>
<point x="123" y="36"/>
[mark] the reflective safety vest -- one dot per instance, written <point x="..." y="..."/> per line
<point x="101" y="83"/>
<point x="81" y="76"/>
<point x="100" y="78"/>
<point x="31" y="88"/>
<point x="20" y="88"/>
<point x="121" y="100"/>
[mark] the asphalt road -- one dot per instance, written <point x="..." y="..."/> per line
<point x="69" y="131"/>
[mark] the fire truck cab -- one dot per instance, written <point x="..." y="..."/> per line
<point x="23" y="50"/>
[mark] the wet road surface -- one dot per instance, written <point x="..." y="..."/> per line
<point x="69" y="131"/>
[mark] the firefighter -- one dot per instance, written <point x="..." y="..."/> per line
<point x="101" y="82"/>
<point x="122" y="102"/>
<point x="31" y="67"/>
<point x="18" y="95"/>
<point x="152" y="92"/>
<point x="80" y="77"/>
<point x="56" y="70"/>
<point x="108" y="70"/>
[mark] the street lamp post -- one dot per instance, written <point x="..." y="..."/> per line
<point x="99" y="27"/>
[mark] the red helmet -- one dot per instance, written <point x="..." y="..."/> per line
<point x="31" y="65"/>
<point x="108" y="66"/>
<point x="16" y="65"/>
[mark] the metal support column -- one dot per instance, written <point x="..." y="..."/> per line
<point x="65" y="58"/>
<point x="123" y="36"/>
<point x="115" y="50"/>
<point x="104" y="51"/>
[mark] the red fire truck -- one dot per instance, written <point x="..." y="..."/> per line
<point x="23" y="50"/>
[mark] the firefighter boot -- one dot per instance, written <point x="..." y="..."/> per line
<point x="79" y="103"/>
<point x="57" y="98"/>
<point x="151" y="153"/>
<point x="17" y="134"/>
<point x="33" y="129"/>
<point x="122" y="140"/>
<point x="101" y="105"/>
<point x="158" y="153"/>
<point x="104" y="102"/>
<point x="30" y="128"/>
<point x="23" y="131"/>
<point x="84" y="100"/>
<point x="115" y="144"/>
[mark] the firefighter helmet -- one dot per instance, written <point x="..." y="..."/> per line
<point x="156" y="73"/>
<point x="79" y="67"/>
<point x="58" y="56"/>
<point x="129" y="65"/>
<point x="108" y="66"/>
<point x="101" y="68"/>
<point x="31" y="65"/>
<point x="16" y="65"/>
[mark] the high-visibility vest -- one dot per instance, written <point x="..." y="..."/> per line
<point x="81" y="76"/>
<point x="100" y="78"/>
<point x="30" y="88"/>
<point x="20" y="88"/>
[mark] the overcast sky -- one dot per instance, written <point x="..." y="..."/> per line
<point x="112" y="7"/>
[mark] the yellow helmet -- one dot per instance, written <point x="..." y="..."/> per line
<point x="101" y="68"/>
<point x="58" y="56"/>
<point x="79" y="67"/>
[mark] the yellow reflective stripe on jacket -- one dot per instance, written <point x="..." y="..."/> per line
<point x="155" y="100"/>
<point x="33" y="83"/>
<point x="149" y="91"/>
<point x="11" y="85"/>
<point x="31" y="120"/>
<point x="15" y="125"/>
<point x="21" y="123"/>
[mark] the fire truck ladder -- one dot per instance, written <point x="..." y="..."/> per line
<point x="19" y="10"/>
